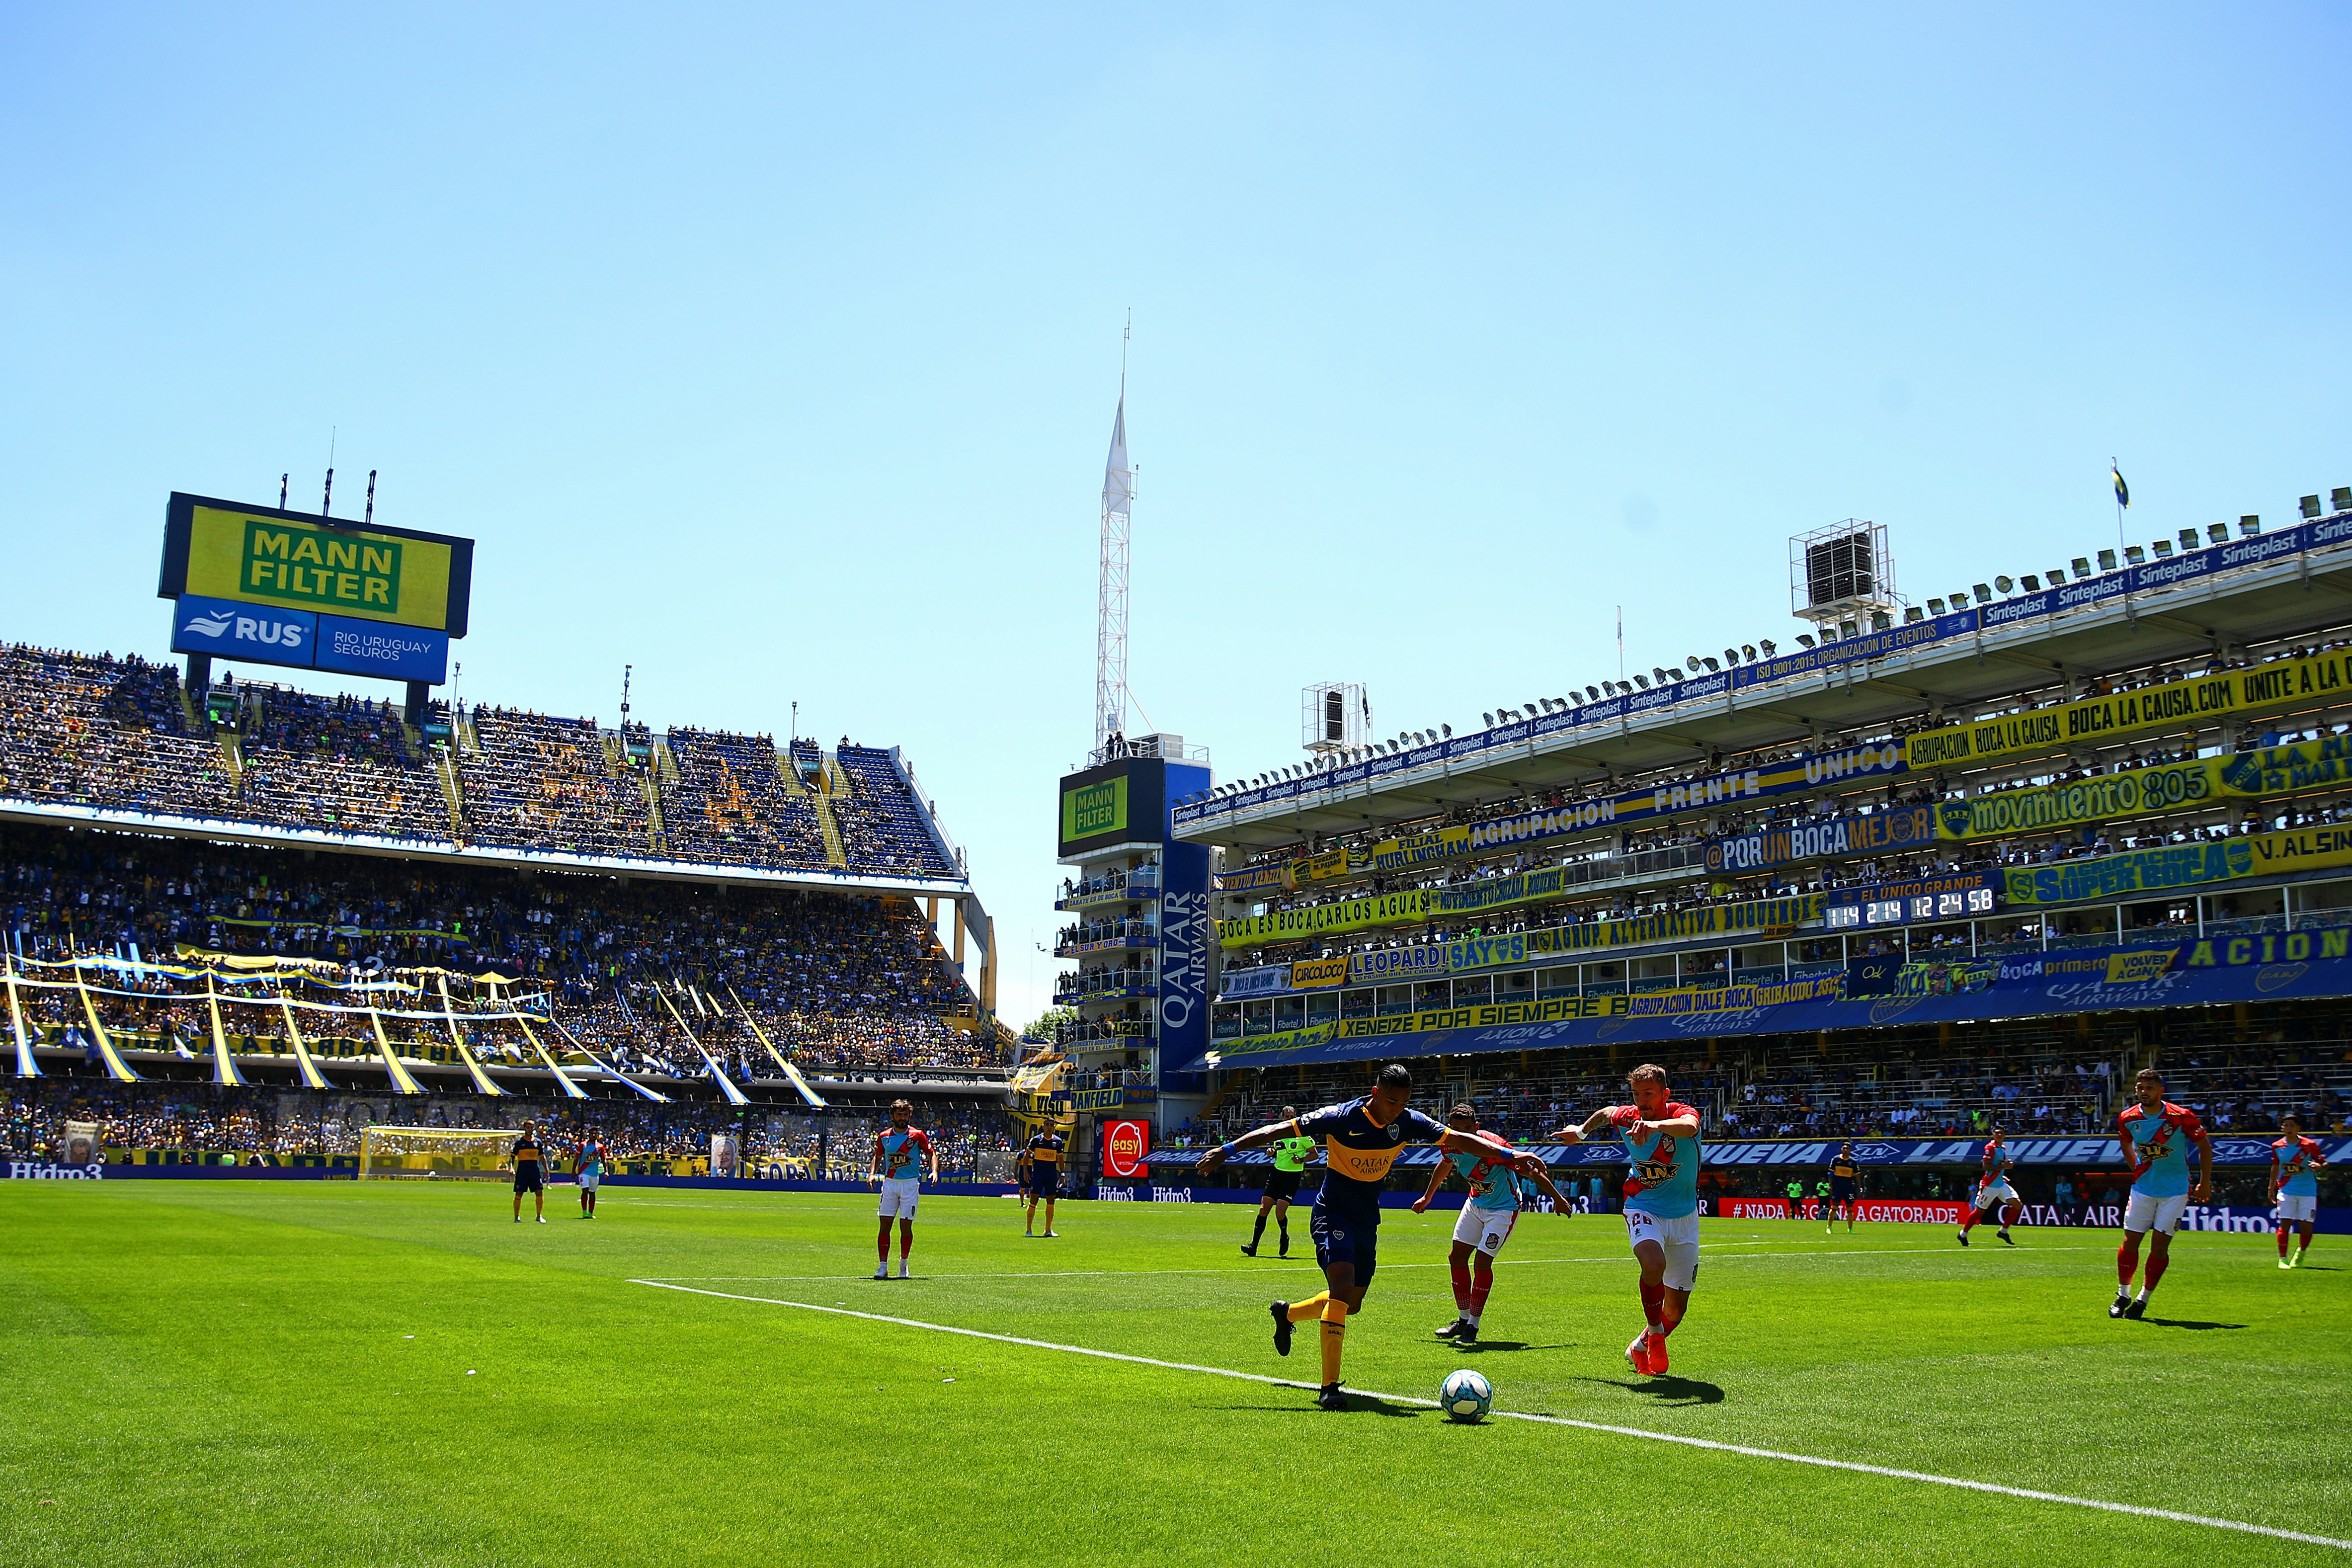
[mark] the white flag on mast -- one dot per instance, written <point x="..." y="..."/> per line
<point x="1119" y="479"/>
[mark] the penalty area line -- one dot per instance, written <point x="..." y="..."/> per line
<point x="1744" y="1450"/>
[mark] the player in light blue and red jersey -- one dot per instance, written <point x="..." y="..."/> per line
<point x="2156" y="1136"/>
<point x="1993" y="1195"/>
<point x="899" y="1152"/>
<point x="1497" y="1193"/>
<point x="1660" y="1138"/>
<point x="2294" y="1187"/>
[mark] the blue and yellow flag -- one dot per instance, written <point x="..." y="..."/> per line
<point x="2122" y="490"/>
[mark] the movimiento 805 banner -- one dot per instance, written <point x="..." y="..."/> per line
<point x="259" y="555"/>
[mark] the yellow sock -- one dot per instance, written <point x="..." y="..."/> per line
<point x="1335" y="1333"/>
<point x="1301" y="1312"/>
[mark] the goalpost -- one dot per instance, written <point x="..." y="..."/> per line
<point x="448" y="1153"/>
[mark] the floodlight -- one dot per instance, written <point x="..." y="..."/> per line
<point x="1912" y="612"/>
<point x="2082" y="568"/>
<point x="1983" y="594"/>
<point x="1805" y="638"/>
<point x="2004" y="584"/>
<point x="1712" y="667"/>
<point x="1592" y="694"/>
<point x="1747" y="651"/>
<point x="1935" y="608"/>
<point x="1643" y="681"/>
<point x="2057" y="578"/>
<point x="2163" y="548"/>
<point x="1448" y="729"/>
<point x="2030" y="583"/>
<point x="2188" y="539"/>
<point x="2107" y="559"/>
<point x="1489" y="718"/>
<point x="2251" y="524"/>
<point x="1731" y="656"/>
<point x="2134" y="555"/>
<point x="1768" y="646"/>
<point x="1693" y="662"/>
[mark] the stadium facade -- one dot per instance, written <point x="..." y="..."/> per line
<point x="1947" y="867"/>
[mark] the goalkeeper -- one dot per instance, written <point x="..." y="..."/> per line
<point x="1290" y="1157"/>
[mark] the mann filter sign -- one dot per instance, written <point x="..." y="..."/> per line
<point x="1094" y="808"/>
<point x="259" y="555"/>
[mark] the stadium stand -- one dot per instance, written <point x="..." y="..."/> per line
<point x="120" y="734"/>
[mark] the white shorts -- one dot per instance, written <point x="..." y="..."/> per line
<point x="2143" y="1213"/>
<point x="1680" y="1238"/>
<point x="589" y="1180"/>
<point x="898" y="1195"/>
<point x="2299" y="1211"/>
<point x="1485" y="1229"/>
<point x="1998" y="1192"/>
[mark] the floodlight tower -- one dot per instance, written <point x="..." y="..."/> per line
<point x="1110" y="597"/>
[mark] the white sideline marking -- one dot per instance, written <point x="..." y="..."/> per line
<point x="1307" y="1261"/>
<point x="1740" y="1448"/>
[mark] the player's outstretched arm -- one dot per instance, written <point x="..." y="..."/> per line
<point x="1436" y="1180"/>
<point x="1458" y="1143"/>
<point x="1256" y="1137"/>
<point x="1588" y="1127"/>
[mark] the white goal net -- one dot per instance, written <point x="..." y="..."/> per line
<point x="459" y="1153"/>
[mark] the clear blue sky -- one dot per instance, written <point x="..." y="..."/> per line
<point x="775" y="352"/>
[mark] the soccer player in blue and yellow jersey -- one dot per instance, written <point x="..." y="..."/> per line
<point x="900" y="1150"/>
<point x="1497" y="1193"/>
<point x="1660" y="1138"/>
<point x="2156" y="1136"/>
<point x="1043" y="1154"/>
<point x="2294" y="1186"/>
<point x="528" y="1176"/>
<point x="1845" y="1189"/>
<point x="1361" y="1141"/>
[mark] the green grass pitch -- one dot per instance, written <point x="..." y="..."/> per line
<point x="284" y="1374"/>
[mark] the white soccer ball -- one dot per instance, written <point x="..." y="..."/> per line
<point x="1466" y="1395"/>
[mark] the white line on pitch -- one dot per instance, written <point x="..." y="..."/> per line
<point x="1708" y="1443"/>
<point x="1307" y="1262"/>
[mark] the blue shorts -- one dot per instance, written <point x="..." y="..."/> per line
<point x="1346" y="1236"/>
<point x="1044" y="1181"/>
<point x="1841" y="1191"/>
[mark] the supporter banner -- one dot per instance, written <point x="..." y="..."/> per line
<point x="2284" y="770"/>
<point x="1327" y="867"/>
<point x="2271" y="967"/>
<point x="1257" y="879"/>
<point x="2180" y="865"/>
<point x="1265" y="980"/>
<point x="1352" y="914"/>
<point x="1390" y="964"/>
<point x="1755" y="916"/>
<point x="1810" y="771"/>
<point x="1319" y="974"/>
<point x="1864" y="834"/>
<point x="1886" y="974"/>
<point x="2173" y="705"/>
<point x="2154" y="708"/>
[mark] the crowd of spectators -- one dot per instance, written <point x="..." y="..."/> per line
<point x="121" y="733"/>
<point x="849" y="981"/>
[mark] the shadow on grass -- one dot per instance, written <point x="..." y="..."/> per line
<point x="1484" y="1345"/>
<point x="2187" y="1323"/>
<point x="1666" y="1391"/>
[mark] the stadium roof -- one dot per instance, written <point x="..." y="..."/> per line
<point x="1957" y="665"/>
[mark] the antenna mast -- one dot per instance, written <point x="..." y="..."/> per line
<point x="1110" y="601"/>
